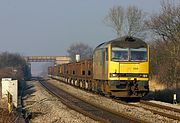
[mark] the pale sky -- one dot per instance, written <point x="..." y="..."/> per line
<point x="49" y="27"/>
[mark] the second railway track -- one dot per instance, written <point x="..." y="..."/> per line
<point x="162" y="110"/>
<point x="166" y="111"/>
<point x="93" y="111"/>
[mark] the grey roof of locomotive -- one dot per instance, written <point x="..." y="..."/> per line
<point x="124" y="42"/>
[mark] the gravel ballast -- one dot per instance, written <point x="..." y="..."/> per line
<point x="46" y="108"/>
<point x="105" y="102"/>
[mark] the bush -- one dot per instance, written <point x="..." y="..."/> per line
<point x="163" y="95"/>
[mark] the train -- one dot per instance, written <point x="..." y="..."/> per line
<point x="118" y="68"/>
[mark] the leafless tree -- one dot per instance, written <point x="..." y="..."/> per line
<point x="84" y="50"/>
<point x="166" y="28"/>
<point x="135" y="22"/>
<point x="166" y="24"/>
<point x="115" y="19"/>
<point x="128" y="21"/>
<point x="16" y="62"/>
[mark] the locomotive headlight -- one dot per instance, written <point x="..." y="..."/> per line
<point x="113" y="74"/>
<point x="143" y="75"/>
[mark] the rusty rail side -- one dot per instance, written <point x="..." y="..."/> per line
<point x="160" y="106"/>
<point x="131" y="118"/>
<point x="74" y="107"/>
<point x="152" y="110"/>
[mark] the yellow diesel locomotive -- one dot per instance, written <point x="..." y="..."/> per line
<point x="119" y="68"/>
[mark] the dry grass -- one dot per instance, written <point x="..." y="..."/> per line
<point x="155" y="85"/>
<point x="5" y="117"/>
<point x="0" y="91"/>
<point x="160" y="92"/>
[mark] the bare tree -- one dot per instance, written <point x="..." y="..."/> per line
<point x="115" y="19"/>
<point x="166" y="28"/>
<point x="166" y="24"/>
<point x="135" y="22"/>
<point x="84" y="50"/>
<point x="130" y="21"/>
<point x="16" y="62"/>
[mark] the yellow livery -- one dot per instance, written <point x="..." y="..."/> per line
<point x="121" y="67"/>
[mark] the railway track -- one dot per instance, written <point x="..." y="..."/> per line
<point x="162" y="110"/>
<point x="91" y="110"/>
<point x="166" y="111"/>
<point x="160" y="106"/>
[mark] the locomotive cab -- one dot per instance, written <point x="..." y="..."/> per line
<point x="123" y="71"/>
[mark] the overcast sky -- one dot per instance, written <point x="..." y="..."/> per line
<point x="49" y="27"/>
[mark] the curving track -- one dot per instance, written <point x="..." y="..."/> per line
<point x="86" y="108"/>
<point x="167" y="112"/>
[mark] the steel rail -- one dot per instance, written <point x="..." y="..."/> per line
<point x="129" y="104"/>
<point x="171" y="116"/>
<point x="107" y="115"/>
<point x="164" y="114"/>
<point x="72" y="106"/>
<point x="160" y="106"/>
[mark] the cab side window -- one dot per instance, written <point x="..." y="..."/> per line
<point x="106" y="54"/>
